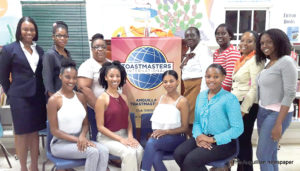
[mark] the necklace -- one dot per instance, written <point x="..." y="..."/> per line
<point x="115" y="96"/>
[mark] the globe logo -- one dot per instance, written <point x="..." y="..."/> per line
<point x="145" y="66"/>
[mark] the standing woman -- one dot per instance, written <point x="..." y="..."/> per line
<point x="194" y="65"/>
<point x="227" y="54"/>
<point x="113" y="121"/>
<point x="169" y="124"/>
<point x="69" y="124"/>
<point x="23" y="59"/>
<point x="52" y="58"/>
<point x="244" y="88"/>
<point x="276" y="92"/>
<point x="88" y="76"/>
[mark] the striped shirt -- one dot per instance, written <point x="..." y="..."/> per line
<point x="227" y="60"/>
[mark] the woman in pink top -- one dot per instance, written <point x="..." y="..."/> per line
<point x="112" y="117"/>
<point x="227" y="54"/>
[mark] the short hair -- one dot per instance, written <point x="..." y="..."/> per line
<point x="217" y="66"/>
<point x="228" y="29"/>
<point x="281" y="43"/>
<point x="196" y="29"/>
<point x="18" y="32"/>
<point x="104" y="70"/>
<point x="67" y="63"/>
<point x="95" y="37"/>
<point x="59" y="24"/>
<point x="170" y="72"/>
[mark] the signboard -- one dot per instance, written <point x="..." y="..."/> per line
<point x="145" y="59"/>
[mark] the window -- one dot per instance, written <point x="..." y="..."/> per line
<point x="242" y="20"/>
<point x="45" y="13"/>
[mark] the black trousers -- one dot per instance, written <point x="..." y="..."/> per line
<point x="245" y="156"/>
<point x="190" y="157"/>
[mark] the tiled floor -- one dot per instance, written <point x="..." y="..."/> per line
<point x="286" y="153"/>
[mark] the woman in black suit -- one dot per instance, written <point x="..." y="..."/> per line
<point x="23" y="59"/>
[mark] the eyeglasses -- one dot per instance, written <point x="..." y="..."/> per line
<point x="61" y="36"/>
<point x="103" y="47"/>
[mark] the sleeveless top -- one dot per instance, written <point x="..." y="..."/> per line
<point x="71" y="115"/>
<point x="116" y="114"/>
<point x="166" y="116"/>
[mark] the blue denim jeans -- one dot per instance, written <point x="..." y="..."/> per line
<point x="267" y="148"/>
<point x="155" y="149"/>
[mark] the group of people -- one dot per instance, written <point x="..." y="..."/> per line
<point x="262" y="77"/>
<point x="224" y="93"/>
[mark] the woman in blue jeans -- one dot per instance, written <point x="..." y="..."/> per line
<point x="276" y="92"/>
<point x="169" y="124"/>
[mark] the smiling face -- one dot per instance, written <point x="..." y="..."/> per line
<point x="113" y="78"/>
<point x="28" y="32"/>
<point x="191" y="37"/>
<point x="222" y="36"/>
<point x="60" y="37"/>
<point x="68" y="78"/>
<point x="214" y="78"/>
<point x="170" y="83"/>
<point x="247" y="44"/>
<point x="267" y="45"/>
<point x="99" y="50"/>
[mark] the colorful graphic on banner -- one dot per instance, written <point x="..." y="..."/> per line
<point x="293" y="33"/>
<point x="145" y="60"/>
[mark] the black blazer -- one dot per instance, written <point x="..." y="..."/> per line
<point x="25" y="82"/>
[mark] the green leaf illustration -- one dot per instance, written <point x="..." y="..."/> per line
<point x="175" y="6"/>
<point x="191" y="21"/>
<point x="198" y="25"/>
<point x="186" y="7"/>
<point x="166" y="7"/>
<point x="166" y="18"/>
<point x="181" y="25"/>
<point x="160" y="6"/>
<point x="197" y="1"/>
<point x="185" y="27"/>
<point x="157" y="19"/>
<point x="198" y="16"/>
<point x="173" y="29"/>
<point x="166" y="26"/>
<point x="174" y="22"/>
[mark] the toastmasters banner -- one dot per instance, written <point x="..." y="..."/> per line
<point x="145" y="59"/>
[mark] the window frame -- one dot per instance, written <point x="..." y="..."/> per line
<point x="252" y="8"/>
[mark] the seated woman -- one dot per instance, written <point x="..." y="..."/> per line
<point x="113" y="120"/>
<point x="169" y="124"/>
<point x="66" y="111"/>
<point x="218" y="121"/>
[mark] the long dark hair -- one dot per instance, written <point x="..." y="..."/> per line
<point x="18" y="32"/>
<point x="281" y="43"/>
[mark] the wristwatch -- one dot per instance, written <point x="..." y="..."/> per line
<point x="214" y="140"/>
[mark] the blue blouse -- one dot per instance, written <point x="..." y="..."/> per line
<point x="220" y="116"/>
